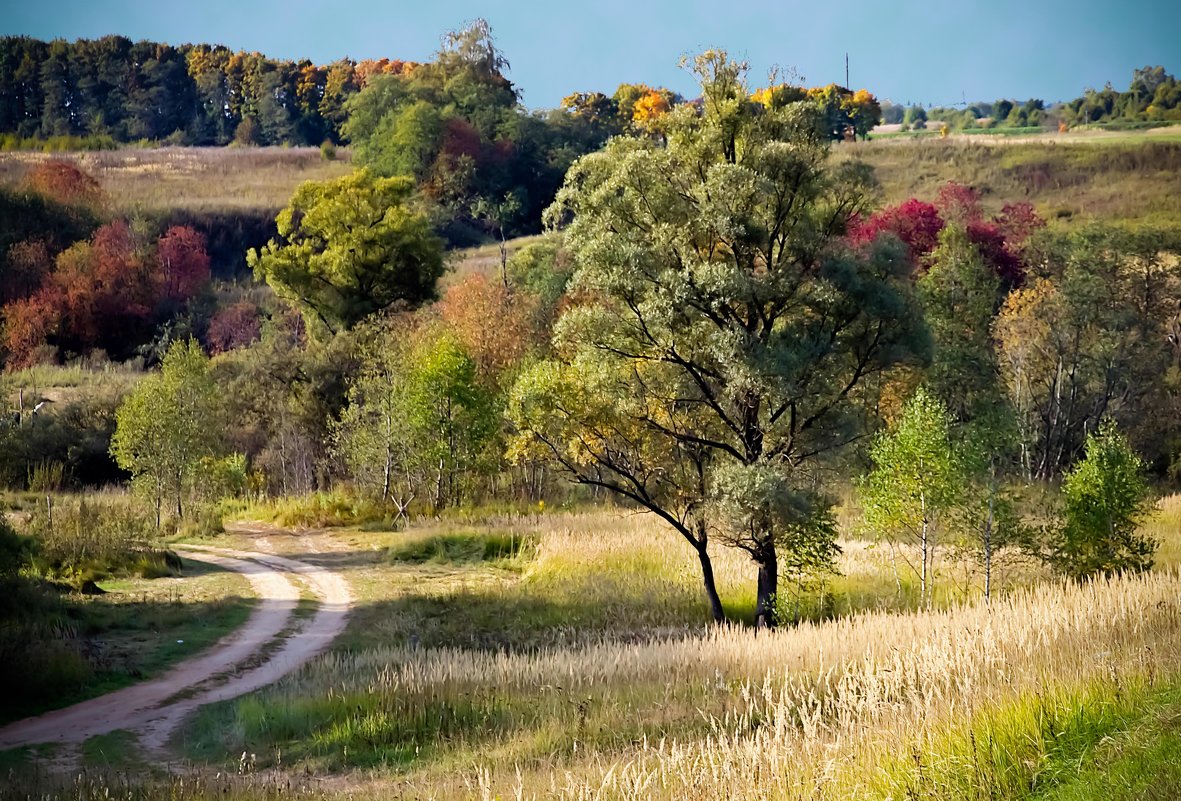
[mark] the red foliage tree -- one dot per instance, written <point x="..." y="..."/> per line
<point x="1000" y="240"/>
<point x="1018" y="222"/>
<point x="183" y="263"/>
<point x="28" y="325"/>
<point x="234" y="327"/>
<point x="913" y="221"/>
<point x="959" y="203"/>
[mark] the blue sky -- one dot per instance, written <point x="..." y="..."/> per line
<point x="934" y="51"/>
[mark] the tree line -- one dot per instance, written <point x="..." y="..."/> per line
<point x="1152" y="98"/>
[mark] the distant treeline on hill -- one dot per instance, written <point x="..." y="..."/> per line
<point x="1152" y="98"/>
<point x="117" y="90"/>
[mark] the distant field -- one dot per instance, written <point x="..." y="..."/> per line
<point x="1130" y="177"/>
<point x="193" y="178"/>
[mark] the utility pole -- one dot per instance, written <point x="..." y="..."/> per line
<point x="847" y="86"/>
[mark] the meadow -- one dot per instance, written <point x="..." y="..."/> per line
<point x="1130" y="178"/>
<point x="520" y="651"/>
<point x="565" y="655"/>
<point x="192" y="178"/>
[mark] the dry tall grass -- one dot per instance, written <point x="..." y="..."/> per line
<point x="193" y="178"/>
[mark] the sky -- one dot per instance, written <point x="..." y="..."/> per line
<point x="933" y="52"/>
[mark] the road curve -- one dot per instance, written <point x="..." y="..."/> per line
<point x="335" y="600"/>
<point x="151" y="708"/>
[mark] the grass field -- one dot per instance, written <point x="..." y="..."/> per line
<point x="136" y="630"/>
<point x="1131" y="176"/>
<point x="565" y="656"/>
<point x="1128" y="177"/>
<point x="62" y="384"/>
<point x="193" y="178"/>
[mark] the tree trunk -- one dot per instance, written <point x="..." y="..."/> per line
<point x="503" y="259"/>
<point x="711" y="589"/>
<point x="925" y="546"/>
<point x="768" y="586"/>
<point x="988" y="547"/>
<point x="385" y="479"/>
<point x="439" y="487"/>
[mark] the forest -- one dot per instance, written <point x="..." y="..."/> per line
<point x="645" y="447"/>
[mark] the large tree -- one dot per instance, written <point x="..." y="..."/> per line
<point x="725" y="338"/>
<point x="350" y="247"/>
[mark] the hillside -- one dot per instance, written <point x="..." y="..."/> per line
<point x="192" y="178"/>
<point x="1128" y="178"/>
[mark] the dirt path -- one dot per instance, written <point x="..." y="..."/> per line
<point x="153" y="709"/>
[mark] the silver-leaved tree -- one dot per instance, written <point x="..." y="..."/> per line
<point x="724" y="337"/>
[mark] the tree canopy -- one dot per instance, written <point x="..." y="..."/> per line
<point x="725" y="333"/>
<point x="351" y="247"/>
<point x="166" y="426"/>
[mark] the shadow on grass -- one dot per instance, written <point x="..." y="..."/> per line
<point x="57" y="649"/>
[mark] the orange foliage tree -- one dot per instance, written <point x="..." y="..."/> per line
<point x="496" y="326"/>
<point x="65" y="182"/>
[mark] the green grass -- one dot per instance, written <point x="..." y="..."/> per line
<point x="316" y="510"/>
<point x="459" y="547"/>
<point x="1102" y="741"/>
<point x="118" y="750"/>
<point x="90" y="645"/>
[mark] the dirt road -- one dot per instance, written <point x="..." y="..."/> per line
<point x="153" y="709"/>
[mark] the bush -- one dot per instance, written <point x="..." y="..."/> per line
<point x="1106" y="498"/>
<point x="81" y="542"/>
<point x="323" y="510"/>
<point x="328" y="150"/>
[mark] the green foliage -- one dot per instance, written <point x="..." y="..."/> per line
<point x="543" y="269"/>
<point x="456" y="126"/>
<point x="1091" y="336"/>
<point x="82" y="541"/>
<point x="917" y="483"/>
<point x="418" y="423"/>
<point x="351" y="247"/>
<point x="1096" y="741"/>
<point x="723" y="327"/>
<point x="960" y="295"/>
<point x="405" y="143"/>
<point x="374" y="436"/>
<point x="15" y="551"/>
<point x="1106" y="498"/>
<point x="167" y="425"/>
<point x="320" y="510"/>
<point x="1154" y="96"/>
